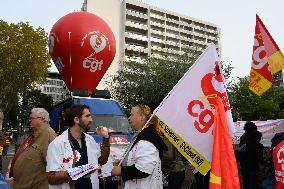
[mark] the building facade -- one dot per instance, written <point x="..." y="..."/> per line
<point x="278" y="80"/>
<point x="142" y="30"/>
<point x="55" y="87"/>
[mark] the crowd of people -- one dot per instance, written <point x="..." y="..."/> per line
<point x="44" y="160"/>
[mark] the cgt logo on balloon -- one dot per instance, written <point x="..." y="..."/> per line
<point x="212" y="85"/>
<point x="98" y="43"/>
<point x="83" y="47"/>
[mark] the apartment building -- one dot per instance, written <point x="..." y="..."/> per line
<point x="55" y="87"/>
<point x="143" y="30"/>
<point x="278" y="80"/>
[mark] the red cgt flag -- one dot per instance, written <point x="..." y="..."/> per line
<point x="224" y="170"/>
<point x="260" y="75"/>
<point x="278" y="159"/>
<point x="273" y="53"/>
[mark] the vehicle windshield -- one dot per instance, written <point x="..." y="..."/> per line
<point x="118" y="124"/>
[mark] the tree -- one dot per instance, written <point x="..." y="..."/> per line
<point x="227" y="69"/>
<point x="249" y="107"/>
<point x="149" y="82"/>
<point x="24" y="61"/>
<point x="33" y="99"/>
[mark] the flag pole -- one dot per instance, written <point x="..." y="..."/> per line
<point x="154" y="112"/>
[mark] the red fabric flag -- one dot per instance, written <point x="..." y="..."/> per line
<point x="260" y="75"/>
<point x="224" y="170"/>
<point x="274" y="55"/>
<point x="278" y="160"/>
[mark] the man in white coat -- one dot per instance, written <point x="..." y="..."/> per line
<point x="75" y="148"/>
<point x="143" y="167"/>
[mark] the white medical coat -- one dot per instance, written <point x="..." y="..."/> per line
<point x="146" y="158"/>
<point x="60" y="148"/>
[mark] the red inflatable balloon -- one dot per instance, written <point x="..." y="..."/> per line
<point x="82" y="47"/>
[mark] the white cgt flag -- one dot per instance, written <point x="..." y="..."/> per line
<point x="186" y="114"/>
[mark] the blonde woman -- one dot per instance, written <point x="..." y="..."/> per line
<point x="143" y="164"/>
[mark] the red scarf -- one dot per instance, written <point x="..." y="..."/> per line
<point x="21" y="149"/>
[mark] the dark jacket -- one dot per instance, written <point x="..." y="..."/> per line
<point x="253" y="156"/>
<point x="149" y="134"/>
<point x="172" y="160"/>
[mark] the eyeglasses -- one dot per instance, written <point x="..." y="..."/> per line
<point x="32" y="118"/>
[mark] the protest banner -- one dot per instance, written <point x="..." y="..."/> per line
<point x="268" y="129"/>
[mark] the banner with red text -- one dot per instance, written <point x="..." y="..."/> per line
<point x="268" y="129"/>
<point x="188" y="113"/>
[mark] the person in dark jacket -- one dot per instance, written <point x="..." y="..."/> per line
<point x="173" y="166"/>
<point x="252" y="158"/>
<point x="249" y="128"/>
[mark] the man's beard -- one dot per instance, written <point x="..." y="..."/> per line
<point x="85" y="127"/>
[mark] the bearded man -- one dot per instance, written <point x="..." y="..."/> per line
<point x="75" y="148"/>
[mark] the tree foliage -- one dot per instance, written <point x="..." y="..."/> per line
<point x="24" y="60"/>
<point x="33" y="99"/>
<point x="149" y="82"/>
<point x="249" y="107"/>
<point x="227" y="69"/>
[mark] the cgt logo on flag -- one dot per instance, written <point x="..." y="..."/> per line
<point x="278" y="161"/>
<point x="205" y="117"/>
<point x="212" y="85"/>
<point x="275" y="57"/>
<point x="187" y="110"/>
<point x="260" y="75"/>
<point x="267" y="59"/>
